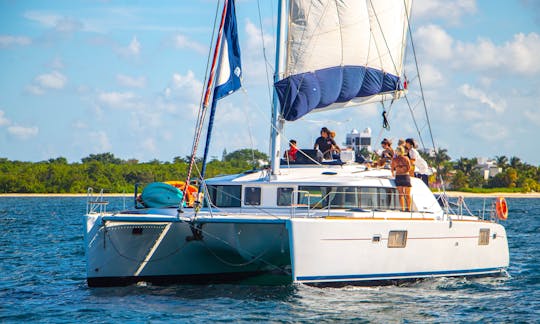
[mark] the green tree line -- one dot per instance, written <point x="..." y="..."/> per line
<point x="464" y="174"/>
<point x="107" y="172"/>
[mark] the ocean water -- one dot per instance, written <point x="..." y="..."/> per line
<point x="42" y="279"/>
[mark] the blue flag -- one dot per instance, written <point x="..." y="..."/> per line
<point x="230" y="70"/>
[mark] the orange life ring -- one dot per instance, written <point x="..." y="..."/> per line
<point x="501" y="208"/>
<point x="191" y="191"/>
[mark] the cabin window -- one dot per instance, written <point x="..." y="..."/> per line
<point x="284" y="196"/>
<point x="483" y="237"/>
<point x="397" y="239"/>
<point x="313" y="196"/>
<point x="252" y="196"/>
<point x="348" y="197"/>
<point x="225" y="196"/>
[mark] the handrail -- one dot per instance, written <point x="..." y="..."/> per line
<point x="326" y="201"/>
<point x="98" y="205"/>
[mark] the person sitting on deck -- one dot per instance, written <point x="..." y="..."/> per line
<point x="290" y="154"/>
<point x="335" y="148"/>
<point x="387" y="154"/>
<point x="325" y="143"/>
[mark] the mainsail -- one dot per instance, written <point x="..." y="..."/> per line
<point x="342" y="53"/>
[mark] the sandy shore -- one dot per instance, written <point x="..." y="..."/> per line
<point x="494" y="194"/>
<point x="62" y="195"/>
<point x="449" y="193"/>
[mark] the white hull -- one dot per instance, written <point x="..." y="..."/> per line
<point x="304" y="249"/>
<point x="357" y="250"/>
<point x="163" y="251"/>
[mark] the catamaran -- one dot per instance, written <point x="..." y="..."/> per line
<point x="314" y="221"/>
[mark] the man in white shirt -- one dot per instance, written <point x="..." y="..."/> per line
<point x="421" y="169"/>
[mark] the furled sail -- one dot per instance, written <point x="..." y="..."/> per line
<point x="342" y="54"/>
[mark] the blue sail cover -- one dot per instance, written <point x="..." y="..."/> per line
<point x="342" y="54"/>
<point x="230" y="69"/>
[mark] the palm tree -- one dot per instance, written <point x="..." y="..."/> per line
<point x="466" y="165"/>
<point x="515" y="162"/>
<point x="502" y="161"/>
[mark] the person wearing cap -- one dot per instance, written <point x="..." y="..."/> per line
<point x="400" y="168"/>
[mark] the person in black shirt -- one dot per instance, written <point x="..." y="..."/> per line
<point x="325" y="143"/>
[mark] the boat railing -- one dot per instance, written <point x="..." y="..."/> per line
<point x="95" y="203"/>
<point x="310" y="203"/>
<point x="460" y="209"/>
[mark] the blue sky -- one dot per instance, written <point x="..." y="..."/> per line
<point x="83" y="77"/>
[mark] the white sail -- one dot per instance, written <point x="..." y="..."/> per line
<point x="342" y="53"/>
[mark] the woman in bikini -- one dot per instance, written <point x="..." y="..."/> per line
<point x="400" y="169"/>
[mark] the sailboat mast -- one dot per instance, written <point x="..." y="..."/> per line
<point x="277" y="122"/>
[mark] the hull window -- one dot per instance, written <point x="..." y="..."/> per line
<point x="252" y="196"/>
<point x="397" y="239"/>
<point x="483" y="237"/>
<point x="284" y="196"/>
<point x="225" y="196"/>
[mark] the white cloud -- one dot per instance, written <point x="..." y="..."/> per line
<point x="148" y="144"/>
<point x="186" y="87"/>
<point x="23" y="132"/>
<point x="477" y="94"/>
<point x="132" y="82"/>
<point x="252" y="55"/>
<point x="133" y="49"/>
<point x="100" y="141"/>
<point x="8" y="40"/>
<point x="79" y="125"/>
<point x="53" y="80"/>
<point x="431" y="75"/>
<point x="532" y="116"/>
<point x="60" y="24"/>
<point x="134" y="46"/>
<point x="121" y="100"/>
<point x="435" y="42"/>
<point x="519" y="56"/>
<point x="46" y="19"/>
<point x="57" y="63"/>
<point x="184" y="42"/>
<point x="451" y="11"/>
<point x="3" y="120"/>
<point x="486" y="130"/>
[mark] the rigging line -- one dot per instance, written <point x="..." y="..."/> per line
<point x="206" y="97"/>
<point x="414" y="121"/>
<point x="250" y="133"/>
<point x="264" y="53"/>
<point x="420" y="84"/>
<point x="200" y="115"/>
<point x="385" y="42"/>
<point x="210" y="203"/>
<point x="264" y="115"/>
<point x="303" y="48"/>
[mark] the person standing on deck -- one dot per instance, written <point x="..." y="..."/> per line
<point x="420" y="168"/>
<point x="400" y="170"/>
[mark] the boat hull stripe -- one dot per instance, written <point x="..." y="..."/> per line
<point x="400" y="275"/>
